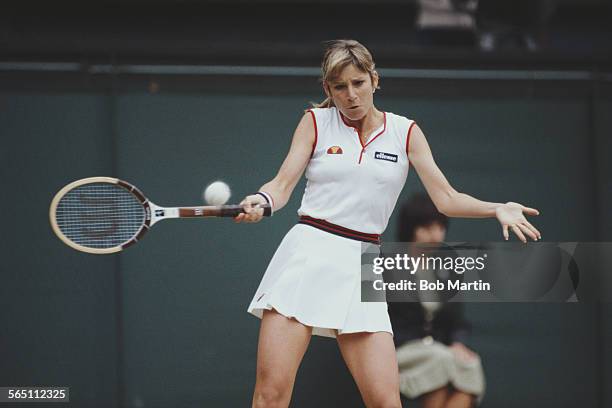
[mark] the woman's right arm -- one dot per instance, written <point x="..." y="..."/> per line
<point x="281" y="186"/>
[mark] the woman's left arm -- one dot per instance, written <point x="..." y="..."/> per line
<point x="455" y="204"/>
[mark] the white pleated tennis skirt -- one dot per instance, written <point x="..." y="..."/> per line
<point x="315" y="277"/>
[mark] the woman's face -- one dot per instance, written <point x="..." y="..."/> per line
<point x="352" y="92"/>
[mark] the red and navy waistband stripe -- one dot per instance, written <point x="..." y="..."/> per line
<point x="338" y="230"/>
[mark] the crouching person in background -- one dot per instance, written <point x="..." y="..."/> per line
<point x="436" y="367"/>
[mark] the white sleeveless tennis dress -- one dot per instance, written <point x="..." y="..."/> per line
<point x="351" y="190"/>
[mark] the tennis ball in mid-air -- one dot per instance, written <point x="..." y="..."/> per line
<point x="217" y="193"/>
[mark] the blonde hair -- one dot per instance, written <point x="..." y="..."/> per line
<point x="338" y="55"/>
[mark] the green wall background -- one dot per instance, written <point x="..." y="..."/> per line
<point x="165" y="323"/>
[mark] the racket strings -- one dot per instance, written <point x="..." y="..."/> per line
<point x="100" y="215"/>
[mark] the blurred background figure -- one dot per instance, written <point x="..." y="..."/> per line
<point x="517" y="24"/>
<point x="448" y="23"/>
<point x="435" y="364"/>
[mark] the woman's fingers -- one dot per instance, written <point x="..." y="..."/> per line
<point x="532" y="228"/>
<point x="518" y="232"/>
<point x="527" y="231"/>
<point x="530" y="211"/>
<point x="255" y="213"/>
<point x="245" y="216"/>
<point x="512" y="219"/>
<point x="252" y="210"/>
<point x="522" y="229"/>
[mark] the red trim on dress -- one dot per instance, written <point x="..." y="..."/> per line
<point x="363" y="146"/>
<point x="314" y="120"/>
<point x="379" y="133"/>
<point x="408" y="139"/>
<point x="345" y="122"/>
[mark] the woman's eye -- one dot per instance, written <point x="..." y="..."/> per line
<point x="338" y="87"/>
<point x="359" y="83"/>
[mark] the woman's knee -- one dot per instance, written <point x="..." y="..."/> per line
<point x="271" y="395"/>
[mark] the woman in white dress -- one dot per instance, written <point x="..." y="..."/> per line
<point x="356" y="159"/>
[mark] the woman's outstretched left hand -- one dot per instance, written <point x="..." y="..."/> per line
<point x="511" y="216"/>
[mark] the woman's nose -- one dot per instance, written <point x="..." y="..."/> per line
<point x="351" y="93"/>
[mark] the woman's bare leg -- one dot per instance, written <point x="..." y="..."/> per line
<point x="459" y="399"/>
<point x="371" y="360"/>
<point x="435" y="399"/>
<point x="282" y="344"/>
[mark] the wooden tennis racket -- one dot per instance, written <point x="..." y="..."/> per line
<point x="103" y="215"/>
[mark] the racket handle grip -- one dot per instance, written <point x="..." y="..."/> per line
<point x="235" y="210"/>
<point x="219" y="211"/>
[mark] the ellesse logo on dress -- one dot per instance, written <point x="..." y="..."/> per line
<point x="335" y="150"/>
<point x="386" y="156"/>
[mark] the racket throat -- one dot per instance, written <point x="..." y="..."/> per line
<point x="160" y="213"/>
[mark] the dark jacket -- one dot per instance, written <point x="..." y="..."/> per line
<point x="409" y="323"/>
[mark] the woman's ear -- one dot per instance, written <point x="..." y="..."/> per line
<point x="326" y="89"/>
<point x="375" y="79"/>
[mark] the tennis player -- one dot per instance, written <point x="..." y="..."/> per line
<point x="356" y="159"/>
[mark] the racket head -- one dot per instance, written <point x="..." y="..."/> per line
<point x="99" y="215"/>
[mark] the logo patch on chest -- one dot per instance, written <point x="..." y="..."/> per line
<point x="335" y="150"/>
<point x="386" y="156"/>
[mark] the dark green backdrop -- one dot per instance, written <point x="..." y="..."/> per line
<point x="165" y="324"/>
